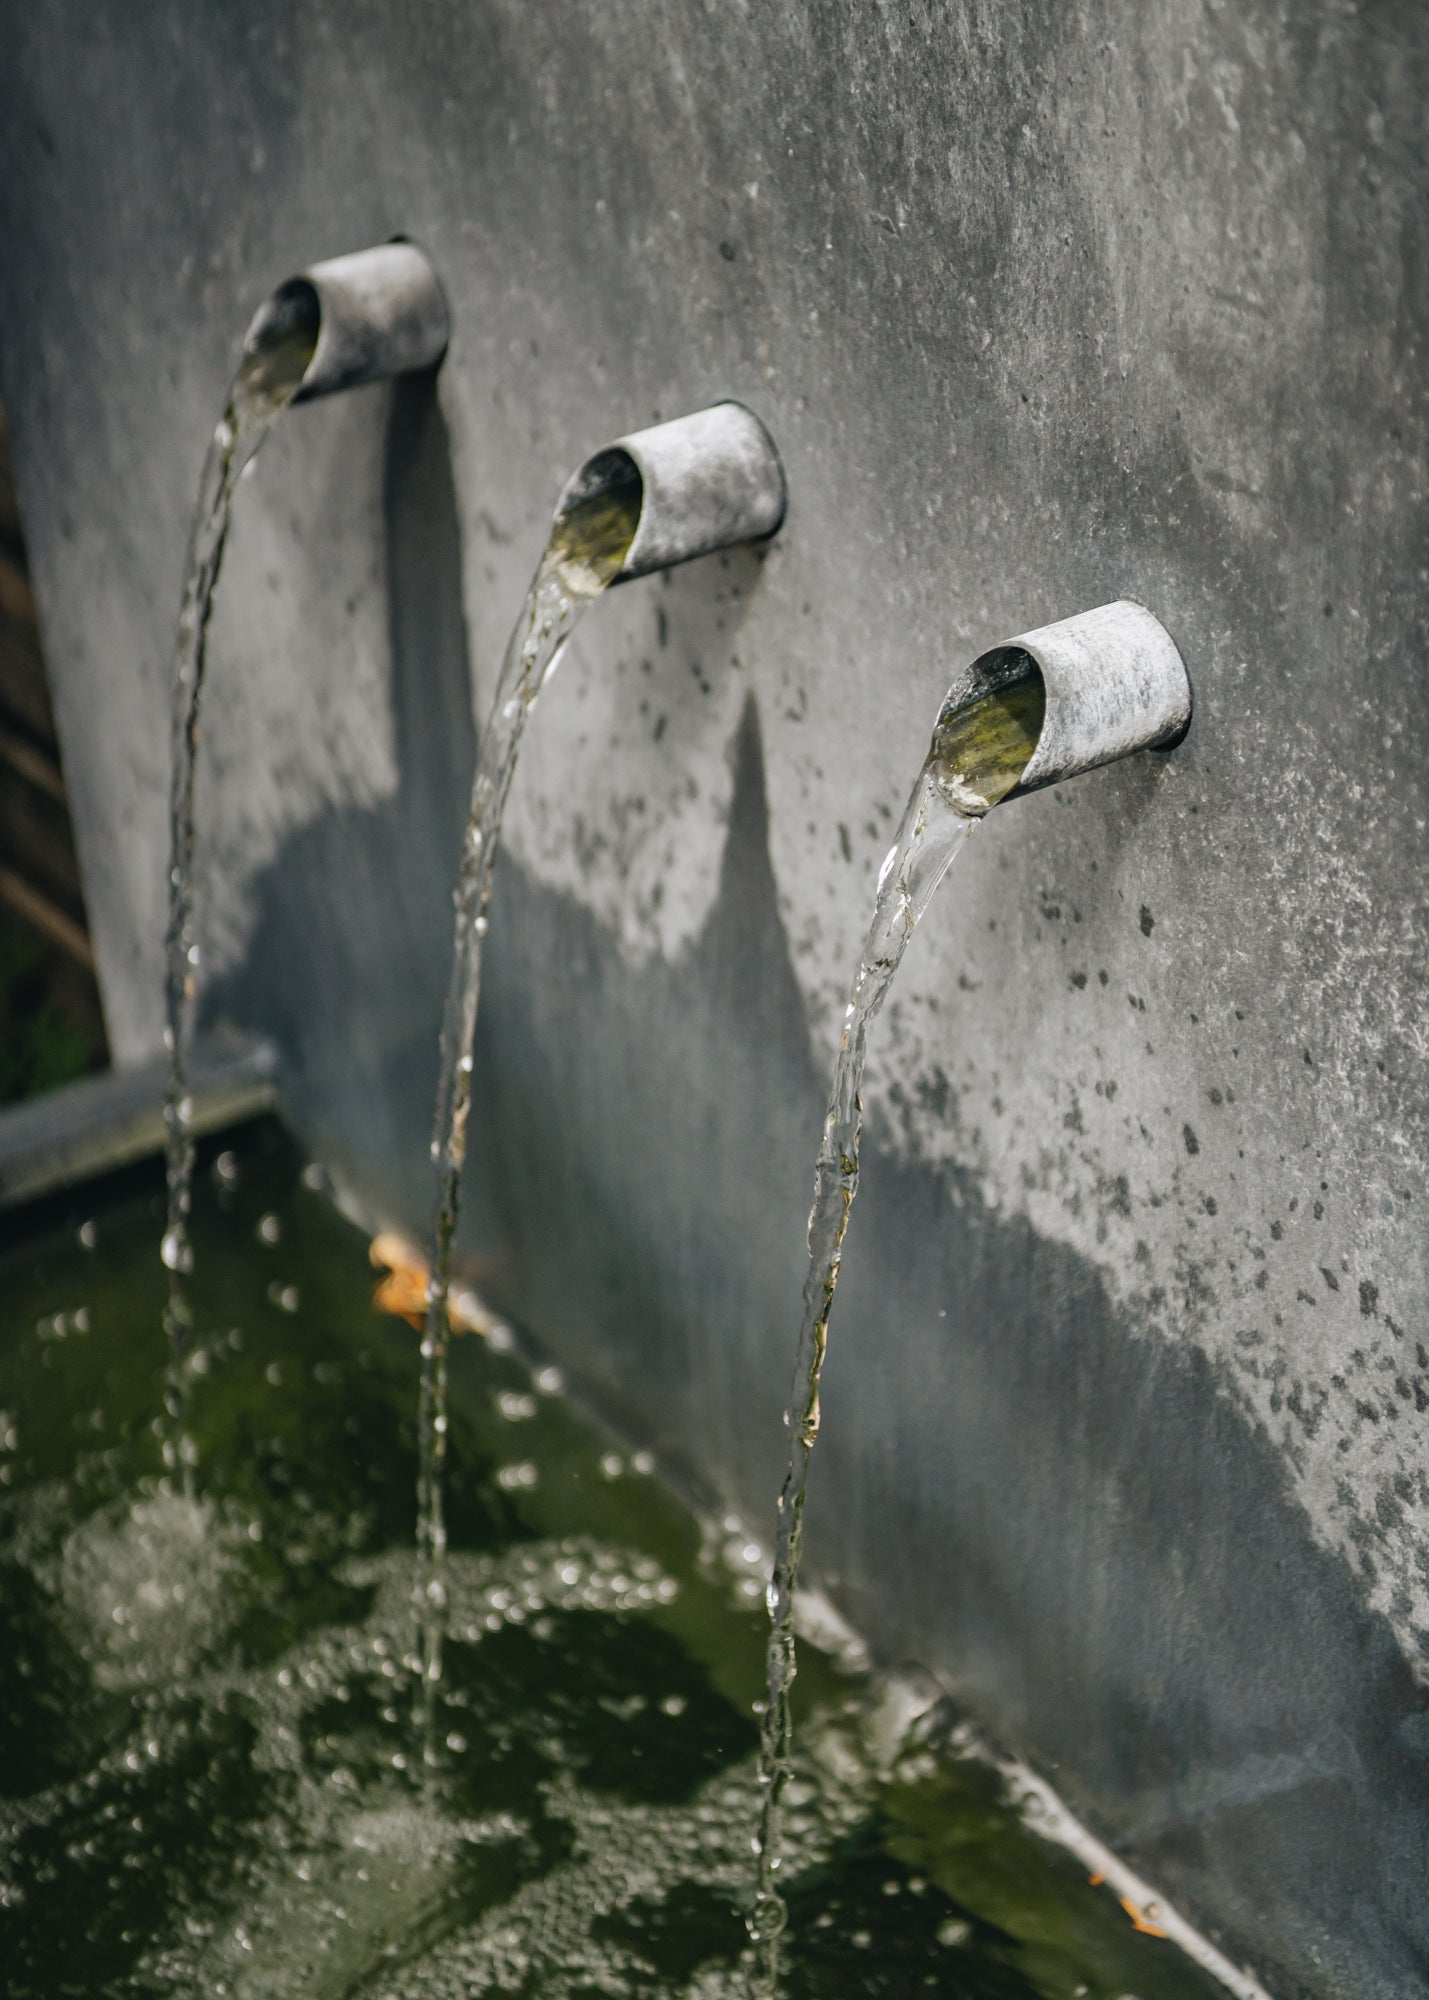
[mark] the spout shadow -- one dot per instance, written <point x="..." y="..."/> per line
<point x="359" y="899"/>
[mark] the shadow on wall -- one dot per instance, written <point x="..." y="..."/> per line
<point x="1067" y="1518"/>
<point x="347" y="962"/>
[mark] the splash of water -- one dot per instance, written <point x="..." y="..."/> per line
<point x="275" y="358"/>
<point x="978" y="753"/>
<point x="587" y="546"/>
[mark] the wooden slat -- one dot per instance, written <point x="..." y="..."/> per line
<point x="39" y="872"/>
<point x="37" y="767"/>
<point x="9" y="505"/>
<point x="45" y="917"/>
<point x="24" y="694"/>
<point x="17" y="600"/>
<point x="36" y="841"/>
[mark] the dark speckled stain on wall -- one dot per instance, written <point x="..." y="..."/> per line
<point x="1068" y="1519"/>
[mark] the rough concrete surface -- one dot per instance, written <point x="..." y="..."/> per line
<point x="1128" y="1399"/>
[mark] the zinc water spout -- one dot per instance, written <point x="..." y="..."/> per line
<point x="696" y="484"/>
<point x="1077" y="694"/>
<point x="350" y="320"/>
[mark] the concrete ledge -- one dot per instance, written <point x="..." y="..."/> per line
<point x="112" y="1120"/>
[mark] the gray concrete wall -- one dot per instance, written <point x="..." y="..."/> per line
<point x="1127" y="1427"/>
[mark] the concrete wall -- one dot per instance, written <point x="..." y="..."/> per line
<point x="1126" y="1429"/>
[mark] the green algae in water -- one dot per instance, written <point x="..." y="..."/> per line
<point x="207" y="1748"/>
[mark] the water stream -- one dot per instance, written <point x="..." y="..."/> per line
<point x="275" y="358"/>
<point x="587" y="545"/>
<point x="978" y="753"/>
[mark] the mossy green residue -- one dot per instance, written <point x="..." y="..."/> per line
<point x="982" y="747"/>
<point x="277" y="354"/>
<point x="592" y="535"/>
<point x="1037" y="1911"/>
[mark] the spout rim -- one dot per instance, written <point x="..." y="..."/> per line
<point x="1114" y="683"/>
<point x="381" y="311"/>
<point x="710" y="480"/>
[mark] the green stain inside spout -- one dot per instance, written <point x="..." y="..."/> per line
<point x="592" y="533"/>
<point x="982" y="747"/>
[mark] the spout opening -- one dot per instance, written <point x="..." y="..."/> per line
<point x="988" y="731"/>
<point x="279" y="347"/>
<point x="597" y="519"/>
<point x="1114" y="684"/>
<point x="705" y="482"/>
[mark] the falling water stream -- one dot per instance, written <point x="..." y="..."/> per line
<point x="275" y="359"/>
<point x="978" y="753"/>
<point x="587" y="545"/>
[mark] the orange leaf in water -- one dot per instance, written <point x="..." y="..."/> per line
<point x="403" y="1292"/>
<point x="1139" y="1921"/>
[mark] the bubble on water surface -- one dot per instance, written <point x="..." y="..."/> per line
<point x="145" y="1589"/>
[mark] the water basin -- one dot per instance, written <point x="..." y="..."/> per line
<point x="210" y="1778"/>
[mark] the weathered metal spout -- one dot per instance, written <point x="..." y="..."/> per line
<point x="706" y="482"/>
<point x="1111" y="680"/>
<point x="355" y="319"/>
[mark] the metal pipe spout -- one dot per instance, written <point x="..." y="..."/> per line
<point x="703" y="482"/>
<point x="349" y="320"/>
<point x="1110" y="681"/>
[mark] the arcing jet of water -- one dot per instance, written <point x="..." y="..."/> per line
<point x="352" y="319"/>
<point x="1043" y="707"/>
<point x="658" y="497"/>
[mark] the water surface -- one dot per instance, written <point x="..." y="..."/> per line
<point x="209" y="1762"/>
